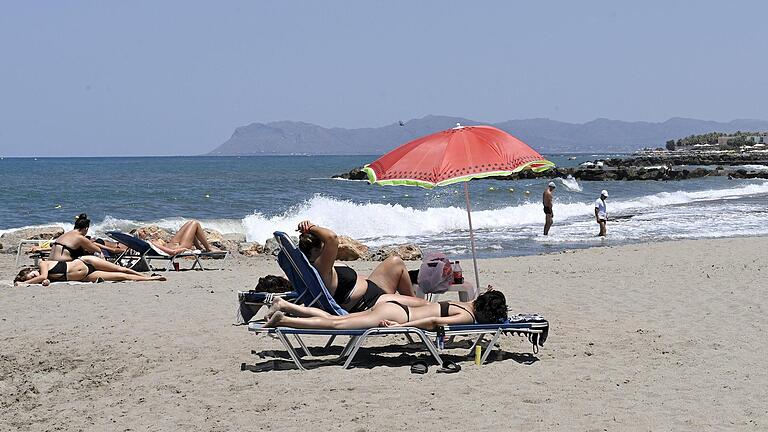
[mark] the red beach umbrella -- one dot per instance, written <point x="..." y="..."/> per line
<point x="456" y="155"/>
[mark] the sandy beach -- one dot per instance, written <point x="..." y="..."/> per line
<point x="662" y="336"/>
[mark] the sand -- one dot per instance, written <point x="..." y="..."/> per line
<point x="662" y="336"/>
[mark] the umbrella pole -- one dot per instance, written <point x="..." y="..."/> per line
<point x="471" y="235"/>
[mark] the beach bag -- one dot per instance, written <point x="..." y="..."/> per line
<point x="435" y="273"/>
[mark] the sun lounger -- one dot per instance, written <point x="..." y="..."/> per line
<point x="140" y="253"/>
<point x="308" y="286"/>
<point x="304" y="277"/>
<point x="534" y="327"/>
<point x="311" y="291"/>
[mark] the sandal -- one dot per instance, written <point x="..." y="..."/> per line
<point x="419" y="367"/>
<point x="449" y="367"/>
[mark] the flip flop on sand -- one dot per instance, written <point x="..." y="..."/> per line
<point x="419" y="367"/>
<point x="449" y="367"/>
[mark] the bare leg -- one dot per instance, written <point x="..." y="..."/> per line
<point x="185" y="236"/>
<point x="302" y="311"/>
<point x="602" y="228"/>
<point x="118" y="277"/>
<point x="368" y="319"/>
<point x="547" y="224"/>
<point x="200" y="237"/>
<point x="105" y="265"/>
<point x="392" y="276"/>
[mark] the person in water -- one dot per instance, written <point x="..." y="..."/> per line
<point x="398" y="311"/>
<point x="601" y="212"/>
<point x="83" y="269"/>
<point x="189" y="237"/>
<point x="353" y="292"/>
<point x="547" y="202"/>
<point x="74" y="244"/>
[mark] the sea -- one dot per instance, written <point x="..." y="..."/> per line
<point x="255" y="196"/>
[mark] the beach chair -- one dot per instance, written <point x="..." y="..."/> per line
<point x="534" y="327"/>
<point x="304" y="277"/>
<point x="308" y="287"/>
<point x="140" y="253"/>
<point x="44" y="251"/>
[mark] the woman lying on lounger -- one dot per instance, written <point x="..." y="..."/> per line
<point x="84" y="269"/>
<point x="395" y="311"/>
<point x="74" y="244"/>
<point x="190" y="236"/>
<point x="353" y="292"/>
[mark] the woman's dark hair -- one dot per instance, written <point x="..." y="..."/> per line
<point x="490" y="307"/>
<point x="273" y="284"/>
<point x="309" y="241"/>
<point x="23" y="274"/>
<point x="82" y="221"/>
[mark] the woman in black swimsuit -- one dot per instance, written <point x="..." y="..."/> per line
<point x="86" y="269"/>
<point x="353" y="292"/>
<point x="489" y="307"/>
<point x="74" y="244"/>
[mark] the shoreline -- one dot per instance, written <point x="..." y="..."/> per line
<point x="668" y="335"/>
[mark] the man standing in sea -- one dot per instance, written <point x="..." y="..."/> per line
<point x="601" y="212"/>
<point x="547" y="201"/>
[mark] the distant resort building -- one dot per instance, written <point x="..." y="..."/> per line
<point x="740" y="141"/>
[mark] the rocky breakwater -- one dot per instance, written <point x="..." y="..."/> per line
<point x="657" y="167"/>
<point x="349" y="248"/>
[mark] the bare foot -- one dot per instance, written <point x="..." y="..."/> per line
<point x="274" y="308"/>
<point x="275" y="319"/>
<point x="157" y="277"/>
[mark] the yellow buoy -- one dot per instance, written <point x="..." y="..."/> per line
<point x="527" y="192"/>
<point x="491" y="188"/>
<point x="511" y="189"/>
<point x="207" y="196"/>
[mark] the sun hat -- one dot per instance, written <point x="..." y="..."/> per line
<point x="604" y="193"/>
<point x="552" y="184"/>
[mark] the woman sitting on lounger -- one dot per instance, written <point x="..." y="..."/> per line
<point x="353" y="292"/>
<point x="398" y="311"/>
<point x="189" y="237"/>
<point x="84" y="269"/>
<point x="74" y="244"/>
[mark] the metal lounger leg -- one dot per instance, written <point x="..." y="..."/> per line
<point x="358" y="342"/>
<point x="291" y="350"/>
<point x="431" y="347"/>
<point x="348" y="347"/>
<point x="477" y="341"/>
<point x="330" y="341"/>
<point x="303" y="345"/>
<point x="197" y="263"/>
<point x="490" y="346"/>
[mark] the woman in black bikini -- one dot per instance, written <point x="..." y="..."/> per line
<point x="86" y="269"/>
<point x="396" y="311"/>
<point x="353" y="292"/>
<point x="74" y="244"/>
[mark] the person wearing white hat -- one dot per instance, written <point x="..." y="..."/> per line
<point x="601" y="212"/>
<point x="547" y="201"/>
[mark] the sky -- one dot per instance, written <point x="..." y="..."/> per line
<point x="101" y="78"/>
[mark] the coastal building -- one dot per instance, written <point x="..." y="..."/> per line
<point x="723" y="140"/>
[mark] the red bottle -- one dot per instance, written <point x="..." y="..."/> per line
<point x="458" y="277"/>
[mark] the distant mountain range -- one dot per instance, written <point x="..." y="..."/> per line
<point x="544" y="135"/>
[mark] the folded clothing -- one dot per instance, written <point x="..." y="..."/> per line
<point x="531" y="318"/>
